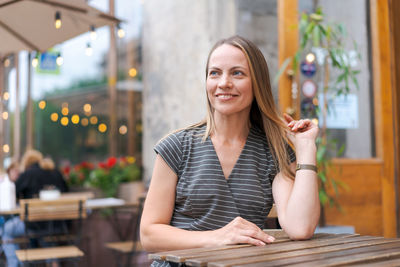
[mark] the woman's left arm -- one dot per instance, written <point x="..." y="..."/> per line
<point x="297" y="200"/>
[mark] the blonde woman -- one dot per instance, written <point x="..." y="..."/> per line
<point x="214" y="183"/>
<point x="38" y="173"/>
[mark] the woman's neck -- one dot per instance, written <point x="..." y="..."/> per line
<point x="231" y="128"/>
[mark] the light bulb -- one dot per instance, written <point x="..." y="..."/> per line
<point x="310" y="57"/>
<point x="35" y="61"/>
<point x="57" y="20"/>
<point x="59" y="60"/>
<point x="120" y="32"/>
<point x="93" y="34"/>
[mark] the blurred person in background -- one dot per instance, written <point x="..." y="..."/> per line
<point x="37" y="174"/>
<point x="13" y="171"/>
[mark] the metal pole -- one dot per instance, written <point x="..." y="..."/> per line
<point x="112" y="90"/>
<point x="29" y="108"/>
<point x="17" y="119"/>
<point x="2" y="70"/>
<point x="131" y="102"/>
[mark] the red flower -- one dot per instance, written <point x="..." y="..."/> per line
<point x="67" y="170"/>
<point x="103" y="165"/>
<point x="111" y="162"/>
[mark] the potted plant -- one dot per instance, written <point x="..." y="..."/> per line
<point x="338" y="75"/>
<point x="113" y="174"/>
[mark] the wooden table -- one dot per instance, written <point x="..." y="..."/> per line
<point x="321" y="250"/>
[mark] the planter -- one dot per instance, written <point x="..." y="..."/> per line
<point x="130" y="192"/>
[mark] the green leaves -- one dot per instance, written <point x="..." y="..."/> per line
<point x="339" y="77"/>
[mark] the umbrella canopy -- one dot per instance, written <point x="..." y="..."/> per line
<point x="30" y="24"/>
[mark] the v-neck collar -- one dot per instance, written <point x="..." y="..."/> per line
<point x="237" y="160"/>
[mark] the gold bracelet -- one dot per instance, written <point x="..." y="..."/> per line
<point x="306" y="167"/>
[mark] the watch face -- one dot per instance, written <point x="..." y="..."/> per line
<point x="309" y="88"/>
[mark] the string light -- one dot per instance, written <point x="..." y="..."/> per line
<point x="65" y="111"/>
<point x="57" y="20"/>
<point x="132" y="72"/>
<point x="6" y="96"/>
<point x="93" y="120"/>
<point x="123" y="129"/>
<point x="5" y="115"/>
<point x="59" y="60"/>
<point x="120" y="31"/>
<point x="6" y="148"/>
<point x="93" y="34"/>
<point x="75" y="119"/>
<point x="64" y="121"/>
<point x="88" y="50"/>
<point x="84" y="122"/>
<point x="87" y="108"/>
<point x="54" y="116"/>
<point x="35" y="61"/>
<point x="42" y="104"/>
<point x="102" y="127"/>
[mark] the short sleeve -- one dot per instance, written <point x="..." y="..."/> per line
<point x="170" y="149"/>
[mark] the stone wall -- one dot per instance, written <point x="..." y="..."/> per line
<point x="177" y="36"/>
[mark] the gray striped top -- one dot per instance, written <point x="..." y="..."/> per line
<point x="205" y="200"/>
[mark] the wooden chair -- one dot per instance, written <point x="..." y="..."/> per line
<point x="132" y="246"/>
<point x="54" y="214"/>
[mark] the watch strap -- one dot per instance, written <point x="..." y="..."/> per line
<point x="306" y="167"/>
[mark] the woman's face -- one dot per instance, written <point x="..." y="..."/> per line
<point x="229" y="87"/>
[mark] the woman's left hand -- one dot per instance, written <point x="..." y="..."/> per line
<point x="301" y="129"/>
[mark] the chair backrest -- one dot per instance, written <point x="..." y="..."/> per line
<point x="35" y="210"/>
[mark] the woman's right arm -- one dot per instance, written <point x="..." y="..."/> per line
<point x="156" y="233"/>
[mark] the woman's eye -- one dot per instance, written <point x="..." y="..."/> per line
<point x="237" y="72"/>
<point x="213" y="73"/>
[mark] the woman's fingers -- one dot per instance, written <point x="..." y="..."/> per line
<point x="247" y="232"/>
<point x="287" y="118"/>
<point x="300" y="125"/>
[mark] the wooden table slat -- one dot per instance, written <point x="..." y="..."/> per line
<point x="366" y="257"/>
<point x="277" y="251"/>
<point x="290" y="250"/>
<point x="302" y="256"/>
<point x="179" y="255"/>
<point x="202" y="257"/>
<point x="384" y="263"/>
<point x="321" y="250"/>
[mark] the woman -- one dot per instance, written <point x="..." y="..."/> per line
<point x="215" y="182"/>
<point x="39" y="173"/>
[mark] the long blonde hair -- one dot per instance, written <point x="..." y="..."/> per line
<point x="32" y="156"/>
<point x="263" y="113"/>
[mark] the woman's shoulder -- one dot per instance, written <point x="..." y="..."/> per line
<point x="190" y="133"/>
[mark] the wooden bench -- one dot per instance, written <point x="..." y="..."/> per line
<point x="36" y="210"/>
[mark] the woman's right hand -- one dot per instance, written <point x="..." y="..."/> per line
<point x="241" y="231"/>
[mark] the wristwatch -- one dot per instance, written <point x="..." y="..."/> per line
<point x="306" y="167"/>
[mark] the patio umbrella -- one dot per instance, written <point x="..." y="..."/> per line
<point x="30" y="24"/>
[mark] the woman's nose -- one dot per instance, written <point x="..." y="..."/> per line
<point x="225" y="82"/>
